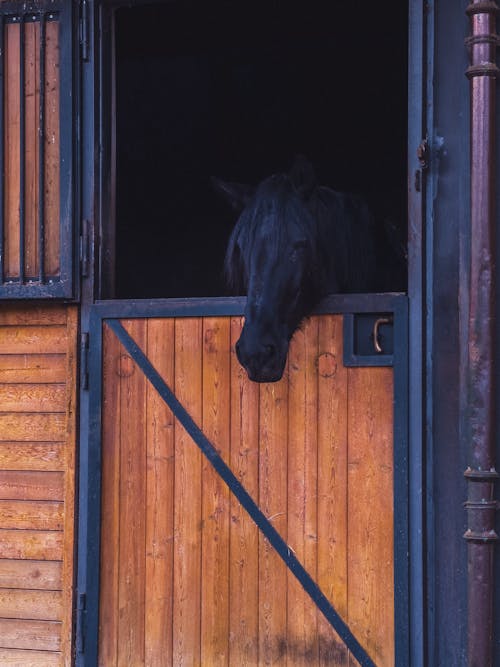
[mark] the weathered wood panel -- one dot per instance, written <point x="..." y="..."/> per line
<point x="244" y="536"/>
<point x="20" y="658"/>
<point x="215" y="495"/>
<point x="160" y="502"/>
<point x="12" y="151"/>
<point x="315" y="450"/>
<point x="31" y="485"/>
<point x="37" y="605"/>
<point x="52" y="149"/>
<point x="33" y="368"/>
<point x="26" y="515"/>
<point x="27" y="246"/>
<point x="33" y="635"/>
<point x="31" y="574"/>
<point x="188" y="501"/>
<point x="31" y="544"/>
<point x="37" y="450"/>
<point x="49" y="456"/>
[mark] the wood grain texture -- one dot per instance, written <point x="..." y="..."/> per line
<point x="34" y="314"/>
<point x="35" y="605"/>
<point x="26" y="427"/>
<point x="302" y="633"/>
<point x="188" y="501"/>
<point x="370" y="511"/>
<point x="209" y="588"/>
<point x="52" y="151"/>
<point x="38" y="366"/>
<point x="31" y="574"/>
<point x="69" y="482"/>
<point x="31" y="544"/>
<point x="215" y="495"/>
<point x="12" y="149"/>
<point x="31" y="485"/>
<point x="159" y="501"/>
<point x="332" y="481"/>
<point x="22" y="658"/>
<point x="33" y="397"/>
<point x="131" y="589"/>
<point x="31" y="515"/>
<point x="32" y="368"/>
<point x="49" y="456"/>
<point x="273" y="432"/>
<point x="29" y="634"/>
<point x="244" y="552"/>
<point x="110" y="481"/>
<point x="33" y="339"/>
<point x="31" y="133"/>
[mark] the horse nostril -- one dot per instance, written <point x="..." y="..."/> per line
<point x="270" y="350"/>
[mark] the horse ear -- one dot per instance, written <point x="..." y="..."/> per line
<point x="237" y="195"/>
<point x="302" y="176"/>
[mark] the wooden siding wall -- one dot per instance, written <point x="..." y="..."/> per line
<point x="29" y="251"/>
<point x="37" y="457"/>
<point x="186" y="578"/>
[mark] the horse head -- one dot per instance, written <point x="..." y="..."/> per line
<point x="272" y="255"/>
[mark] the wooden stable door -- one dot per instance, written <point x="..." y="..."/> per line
<point x="185" y="576"/>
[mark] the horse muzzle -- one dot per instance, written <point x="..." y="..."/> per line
<point x="263" y="360"/>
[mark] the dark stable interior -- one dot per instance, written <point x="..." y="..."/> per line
<point x="235" y="90"/>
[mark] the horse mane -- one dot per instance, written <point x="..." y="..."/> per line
<point x="272" y="196"/>
<point x="339" y="230"/>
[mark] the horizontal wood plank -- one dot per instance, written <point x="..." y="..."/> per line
<point x="31" y="514"/>
<point x="31" y="574"/>
<point x="32" y="368"/>
<point x="21" y="658"/>
<point x="31" y="485"/>
<point x="33" y="340"/>
<point x="48" y="456"/>
<point x="40" y="427"/>
<point x="33" y="315"/>
<point x="31" y="544"/>
<point x="29" y="634"/>
<point x="33" y="605"/>
<point x="33" y="397"/>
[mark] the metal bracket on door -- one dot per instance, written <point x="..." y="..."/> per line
<point x="368" y="339"/>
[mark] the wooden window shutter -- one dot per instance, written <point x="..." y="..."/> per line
<point x="37" y="127"/>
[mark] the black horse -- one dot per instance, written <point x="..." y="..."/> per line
<point x="294" y="242"/>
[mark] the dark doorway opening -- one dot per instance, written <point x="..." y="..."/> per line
<point x="235" y="90"/>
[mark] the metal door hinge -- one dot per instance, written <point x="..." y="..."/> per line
<point x="84" y="31"/>
<point x="84" y="361"/>
<point x="80" y="622"/>
<point x="423" y="154"/>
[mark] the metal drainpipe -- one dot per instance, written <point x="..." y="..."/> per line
<point x="481" y="475"/>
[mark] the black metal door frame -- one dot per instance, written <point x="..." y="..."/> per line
<point x="90" y="455"/>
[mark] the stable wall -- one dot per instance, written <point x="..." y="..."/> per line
<point x="37" y="483"/>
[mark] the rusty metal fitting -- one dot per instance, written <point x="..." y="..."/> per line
<point x="482" y="7"/>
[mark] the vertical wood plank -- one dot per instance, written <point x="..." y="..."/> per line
<point x="52" y="148"/>
<point x="244" y="560"/>
<point x="370" y="513"/>
<point x="12" y="149"/>
<point x="159" y="501"/>
<point x="273" y="502"/>
<point x="332" y="482"/>
<point x="32" y="101"/>
<point x="302" y="632"/>
<point x="187" y="513"/>
<point x="110" y="516"/>
<point x="131" y="584"/>
<point x="215" y="495"/>
<point x="69" y="484"/>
